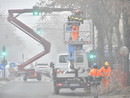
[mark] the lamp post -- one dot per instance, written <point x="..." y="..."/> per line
<point x="4" y="62"/>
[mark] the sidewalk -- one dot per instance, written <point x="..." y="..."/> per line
<point x="3" y="82"/>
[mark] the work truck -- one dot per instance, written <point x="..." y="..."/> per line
<point x="71" y="68"/>
<point x="65" y="77"/>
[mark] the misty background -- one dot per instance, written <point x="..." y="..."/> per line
<point x="19" y="46"/>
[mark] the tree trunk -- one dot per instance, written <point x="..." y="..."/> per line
<point x="100" y="47"/>
<point x="110" y="48"/>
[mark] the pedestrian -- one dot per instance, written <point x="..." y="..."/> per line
<point x="106" y="72"/>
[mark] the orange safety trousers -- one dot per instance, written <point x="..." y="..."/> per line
<point x="105" y="82"/>
<point x="106" y="74"/>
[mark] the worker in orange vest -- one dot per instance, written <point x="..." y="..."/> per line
<point x="95" y="77"/>
<point x="75" y="33"/>
<point x="106" y="72"/>
<point x="95" y="72"/>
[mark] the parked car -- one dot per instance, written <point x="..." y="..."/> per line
<point x="43" y="68"/>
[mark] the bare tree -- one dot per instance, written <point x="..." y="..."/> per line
<point x="105" y="15"/>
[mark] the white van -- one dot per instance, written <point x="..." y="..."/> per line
<point x="80" y="61"/>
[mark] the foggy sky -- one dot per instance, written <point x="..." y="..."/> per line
<point x="22" y="43"/>
<point x="11" y="4"/>
<point x="17" y="43"/>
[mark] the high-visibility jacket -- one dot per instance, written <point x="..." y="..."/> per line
<point x="106" y="72"/>
<point x="95" y="72"/>
<point x="75" y="18"/>
<point x="75" y="33"/>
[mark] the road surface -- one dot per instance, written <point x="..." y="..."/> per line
<point x="37" y="89"/>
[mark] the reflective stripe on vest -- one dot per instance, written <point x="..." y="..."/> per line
<point x="76" y="18"/>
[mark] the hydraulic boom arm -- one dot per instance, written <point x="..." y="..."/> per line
<point x="13" y="19"/>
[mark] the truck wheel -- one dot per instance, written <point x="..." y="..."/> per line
<point x="39" y="77"/>
<point x="25" y="77"/>
<point x="56" y="90"/>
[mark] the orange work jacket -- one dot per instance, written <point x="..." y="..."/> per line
<point x="95" y="72"/>
<point x="106" y="72"/>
